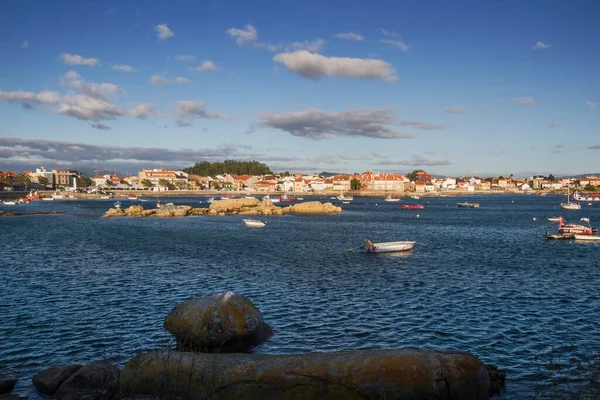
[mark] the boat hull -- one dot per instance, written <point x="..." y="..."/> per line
<point x="388" y="247"/>
<point x="412" y="207"/>
<point x="255" y="223"/>
<point x="586" y="238"/>
<point x="570" y="206"/>
<point x="467" y="205"/>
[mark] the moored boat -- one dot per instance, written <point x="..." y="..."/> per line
<point x="387" y="247"/>
<point x="416" y="197"/>
<point x="255" y="223"/>
<point x="466" y="204"/>
<point x="568" y="205"/>
<point x="587" y="238"/>
<point x="590" y="197"/>
<point x="392" y="198"/>
<point x="413" y="206"/>
<point x="287" y="199"/>
<point x="343" y="197"/>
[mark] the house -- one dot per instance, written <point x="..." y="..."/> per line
<point x="449" y="184"/>
<point x="265" y="186"/>
<point x="420" y="187"/>
<point x="299" y="185"/>
<point x="318" y="185"/>
<point x="422" y="176"/>
<point x="173" y="177"/>
<point x="341" y="183"/>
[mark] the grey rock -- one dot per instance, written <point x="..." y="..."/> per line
<point x="47" y="381"/>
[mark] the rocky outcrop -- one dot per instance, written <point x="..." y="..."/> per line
<point x="230" y="205"/>
<point x="223" y="322"/>
<point x="497" y="379"/>
<point x="95" y="381"/>
<point x="47" y="381"/>
<point x="362" y="374"/>
<point x="7" y="385"/>
<point x="13" y="214"/>
<point x="313" y="207"/>
<point x="163" y="212"/>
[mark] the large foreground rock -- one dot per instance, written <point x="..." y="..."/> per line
<point x="96" y="381"/>
<point x="223" y="322"/>
<point x="313" y="207"/>
<point x="7" y="384"/>
<point x="364" y="374"/>
<point x="47" y="381"/>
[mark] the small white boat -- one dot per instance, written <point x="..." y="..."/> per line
<point x="9" y="202"/>
<point x="466" y="204"/>
<point x="48" y="198"/>
<point x="392" y="198"/>
<point x="57" y="196"/>
<point x="272" y="200"/>
<point x="346" y="202"/>
<point x="255" y="223"/>
<point x="553" y="219"/>
<point x="568" y="205"/>
<point x="299" y="198"/>
<point x="343" y="197"/>
<point x="386" y="247"/>
<point x="415" y="197"/>
<point x="587" y="238"/>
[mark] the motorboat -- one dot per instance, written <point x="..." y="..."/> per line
<point x="57" y="196"/>
<point x="267" y="197"/>
<point x="416" y="197"/>
<point x="386" y="247"/>
<point x="587" y="238"/>
<point x="287" y="199"/>
<point x="591" y="197"/>
<point x="48" y="198"/>
<point x="572" y="231"/>
<point x="466" y="204"/>
<point x="10" y="202"/>
<point x="117" y="204"/>
<point x="343" y="197"/>
<point x="568" y="205"/>
<point x="413" y="206"/>
<point x="554" y="219"/>
<point x="392" y="198"/>
<point x="255" y="223"/>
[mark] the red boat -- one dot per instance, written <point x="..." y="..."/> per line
<point x="286" y="199"/>
<point x="413" y="206"/>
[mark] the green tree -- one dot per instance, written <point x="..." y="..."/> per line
<point x="164" y="183"/>
<point x="181" y="184"/>
<point x="7" y="180"/>
<point x="146" y="182"/>
<point x="42" y="180"/>
<point x="551" y="177"/>
<point x="355" y="184"/>
<point x="501" y="177"/>
<point x="84" y="181"/>
<point x="413" y="174"/>
<point x="205" y="168"/>
<point x="108" y="183"/>
<point x="24" y="179"/>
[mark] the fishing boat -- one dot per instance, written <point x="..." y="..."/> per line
<point x="10" y="202"/>
<point x="590" y="197"/>
<point x="386" y="247"/>
<point x="117" y="204"/>
<point x="343" y="197"/>
<point x="466" y="204"/>
<point x="570" y="231"/>
<point x="274" y="200"/>
<point x="587" y="238"/>
<point x="392" y="198"/>
<point x="287" y="199"/>
<point x="568" y="205"/>
<point x="255" y="223"/>
<point x="413" y="206"/>
<point x="416" y="197"/>
<point x="34" y="195"/>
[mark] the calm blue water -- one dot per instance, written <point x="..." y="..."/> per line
<point x="77" y="288"/>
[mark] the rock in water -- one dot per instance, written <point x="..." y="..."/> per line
<point x="7" y="385"/>
<point x="223" y="322"/>
<point x="96" y="381"/>
<point x="47" y="381"/>
<point x="313" y="207"/>
<point x="361" y="374"/>
<point x="233" y="205"/>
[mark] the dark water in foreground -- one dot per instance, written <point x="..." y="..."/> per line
<point x="76" y="288"/>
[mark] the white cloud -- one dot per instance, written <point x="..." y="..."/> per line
<point x="27" y="99"/>
<point x="313" y="46"/>
<point x="161" y="80"/>
<point x="243" y="36"/>
<point x="84" y="107"/>
<point x="100" y="126"/>
<point x="315" y="66"/>
<point x="195" y="109"/>
<point x="590" y="104"/>
<point x="95" y="90"/>
<point x="385" y="32"/>
<point x="420" y="125"/>
<point x="185" y="58"/>
<point x="318" y="124"/>
<point x="25" y="43"/>
<point x="349" y="36"/>
<point x="163" y="31"/>
<point x="396" y="43"/>
<point x="524" y="101"/>
<point x="454" y="110"/>
<point x="554" y="124"/>
<point x="205" y="66"/>
<point x="124" y="68"/>
<point x="74" y="59"/>
<point x="540" y="45"/>
<point x="143" y="110"/>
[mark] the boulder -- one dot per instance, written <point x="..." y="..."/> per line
<point x="233" y="204"/>
<point x="222" y="322"/>
<point x="313" y="207"/>
<point x="47" y="381"/>
<point x="96" y="381"/>
<point x="114" y="212"/>
<point x="134" y="211"/>
<point x="7" y="385"/>
<point x="147" y="213"/>
<point x="361" y="374"/>
<point x="11" y="397"/>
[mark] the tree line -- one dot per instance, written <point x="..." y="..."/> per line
<point x="206" y="168"/>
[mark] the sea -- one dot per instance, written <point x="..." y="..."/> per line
<point x="76" y="288"/>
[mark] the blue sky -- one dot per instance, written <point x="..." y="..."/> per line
<point x="452" y="87"/>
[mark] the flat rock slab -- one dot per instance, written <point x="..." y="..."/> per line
<point x="362" y="374"/>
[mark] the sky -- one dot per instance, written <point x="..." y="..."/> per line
<point x="452" y="87"/>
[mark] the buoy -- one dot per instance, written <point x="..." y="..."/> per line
<point x="534" y="218"/>
<point x="418" y="215"/>
<point x="513" y="201"/>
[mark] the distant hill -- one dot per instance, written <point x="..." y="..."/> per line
<point x="585" y="175"/>
<point x="326" y="174"/>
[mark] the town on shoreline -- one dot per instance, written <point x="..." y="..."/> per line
<point x="168" y="182"/>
